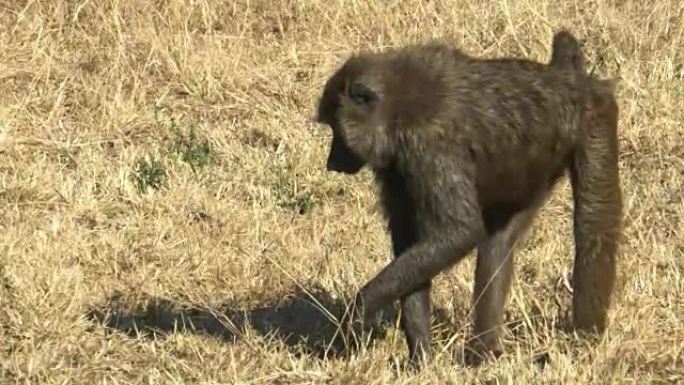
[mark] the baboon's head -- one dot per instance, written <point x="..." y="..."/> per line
<point x="373" y="97"/>
<point x="352" y="105"/>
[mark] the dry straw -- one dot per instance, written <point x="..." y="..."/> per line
<point x="134" y="249"/>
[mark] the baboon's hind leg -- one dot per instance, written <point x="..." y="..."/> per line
<point x="493" y="274"/>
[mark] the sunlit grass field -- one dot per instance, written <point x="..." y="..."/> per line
<point x="166" y="216"/>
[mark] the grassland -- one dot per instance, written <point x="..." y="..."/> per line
<point x="165" y="215"/>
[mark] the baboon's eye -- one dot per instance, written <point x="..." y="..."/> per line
<point x="361" y="94"/>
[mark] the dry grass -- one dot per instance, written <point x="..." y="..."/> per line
<point x="98" y="274"/>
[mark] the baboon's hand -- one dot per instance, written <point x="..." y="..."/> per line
<point x="352" y="324"/>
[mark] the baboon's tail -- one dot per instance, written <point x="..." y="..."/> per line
<point x="567" y="52"/>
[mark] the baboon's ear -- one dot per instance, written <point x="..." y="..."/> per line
<point x="362" y="94"/>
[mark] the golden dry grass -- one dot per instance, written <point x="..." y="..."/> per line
<point x="99" y="281"/>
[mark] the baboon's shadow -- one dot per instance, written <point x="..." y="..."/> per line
<point x="303" y="320"/>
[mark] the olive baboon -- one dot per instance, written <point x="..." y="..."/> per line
<point x="465" y="150"/>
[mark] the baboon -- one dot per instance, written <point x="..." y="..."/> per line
<point x="465" y="150"/>
<point x="566" y="52"/>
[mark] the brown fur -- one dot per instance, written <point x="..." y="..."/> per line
<point x="465" y="150"/>
<point x="566" y="52"/>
